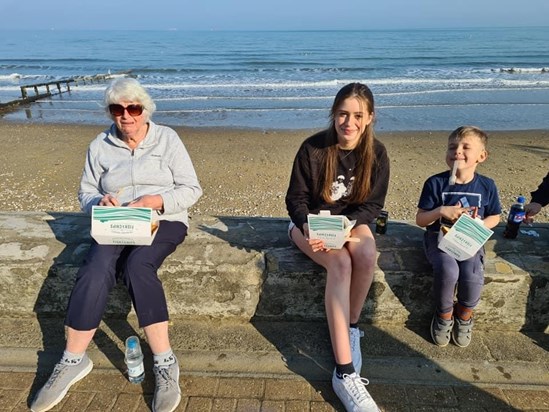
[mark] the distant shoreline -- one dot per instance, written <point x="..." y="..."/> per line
<point x="258" y="130"/>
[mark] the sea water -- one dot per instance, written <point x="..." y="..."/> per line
<point x="495" y="78"/>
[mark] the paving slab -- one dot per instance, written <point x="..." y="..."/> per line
<point x="284" y="366"/>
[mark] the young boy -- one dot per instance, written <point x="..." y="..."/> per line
<point x="444" y="199"/>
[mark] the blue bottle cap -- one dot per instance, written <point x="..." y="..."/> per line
<point x="521" y="199"/>
<point x="132" y="342"/>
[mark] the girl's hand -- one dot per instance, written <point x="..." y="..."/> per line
<point x="306" y="230"/>
<point x="316" y="244"/>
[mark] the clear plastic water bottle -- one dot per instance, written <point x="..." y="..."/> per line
<point x="134" y="360"/>
<point x="515" y="218"/>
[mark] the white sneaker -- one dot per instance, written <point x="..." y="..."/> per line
<point x="57" y="386"/>
<point x="167" y="393"/>
<point x="351" y="391"/>
<point x="356" y="355"/>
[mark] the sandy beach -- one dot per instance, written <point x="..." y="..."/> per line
<point x="245" y="172"/>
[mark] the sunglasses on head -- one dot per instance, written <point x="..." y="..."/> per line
<point x="118" y="109"/>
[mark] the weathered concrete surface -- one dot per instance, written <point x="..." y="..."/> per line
<point x="515" y="294"/>
<point x="244" y="268"/>
<point x="40" y="254"/>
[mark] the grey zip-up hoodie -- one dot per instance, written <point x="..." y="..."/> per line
<point x="160" y="165"/>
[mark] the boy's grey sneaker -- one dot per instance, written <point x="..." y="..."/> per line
<point x="351" y="391"/>
<point x="167" y="393"/>
<point x="441" y="330"/>
<point x="356" y="354"/>
<point x="57" y="386"/>
<point x="462" y="332"/>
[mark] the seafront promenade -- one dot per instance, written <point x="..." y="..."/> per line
<point x="286" y="366"/>
<point x="249" y="329"/>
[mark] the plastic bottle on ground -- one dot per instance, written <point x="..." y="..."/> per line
<point x="134" y="360"/>
<point x="515" y="218"/>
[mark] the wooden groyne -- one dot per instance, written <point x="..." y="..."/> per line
<point x="33" y="92"/>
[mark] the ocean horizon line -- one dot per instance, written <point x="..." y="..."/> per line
<point x="396" y="29"/>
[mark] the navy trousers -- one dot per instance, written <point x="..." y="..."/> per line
<point x="136" y="266"/>
<point x="448" y="272"/>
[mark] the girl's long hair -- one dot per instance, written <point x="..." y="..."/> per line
<point x="364" y="150"/>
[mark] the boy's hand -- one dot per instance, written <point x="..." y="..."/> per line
<point x="452" y="213"/>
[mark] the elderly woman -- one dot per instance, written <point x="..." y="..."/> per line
<point x="135" y="163"/>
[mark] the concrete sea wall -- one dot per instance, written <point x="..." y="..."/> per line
<point x="244" y="267"/>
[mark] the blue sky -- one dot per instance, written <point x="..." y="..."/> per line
<point x="271" y="15"/>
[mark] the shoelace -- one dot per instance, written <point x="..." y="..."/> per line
<point x="163" y="378"/>
<point x="358" y="387"/>
<point x="59" y="368"/>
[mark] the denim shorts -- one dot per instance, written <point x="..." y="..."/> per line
<point x="290" y="227"/>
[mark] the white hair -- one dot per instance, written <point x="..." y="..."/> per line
<point x="129" y="89"/>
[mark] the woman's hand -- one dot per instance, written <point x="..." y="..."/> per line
<point x="153" y="201"/>
<point x="109" y="200"/>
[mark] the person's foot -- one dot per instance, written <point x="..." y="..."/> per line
<point x="167" y="393"/>
<point x="441" y="329"/>
<point x="356" y="354"/>
<point x="351" y="391"/>
<point x="57" y="386"/>
<point x="462" y="332"/>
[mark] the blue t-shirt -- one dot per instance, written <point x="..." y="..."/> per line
<point x="480" y="193"/>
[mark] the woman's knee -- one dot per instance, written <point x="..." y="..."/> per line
<point x="97" y="272"/>
<point x="101" y="259"/>
<point x="149" y="258"/>
<point x="135" y="262"/>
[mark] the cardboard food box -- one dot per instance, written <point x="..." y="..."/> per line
<point x="123" y="225"/>
<point x="465" y="238"/>
<point x="334" y="230"/>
